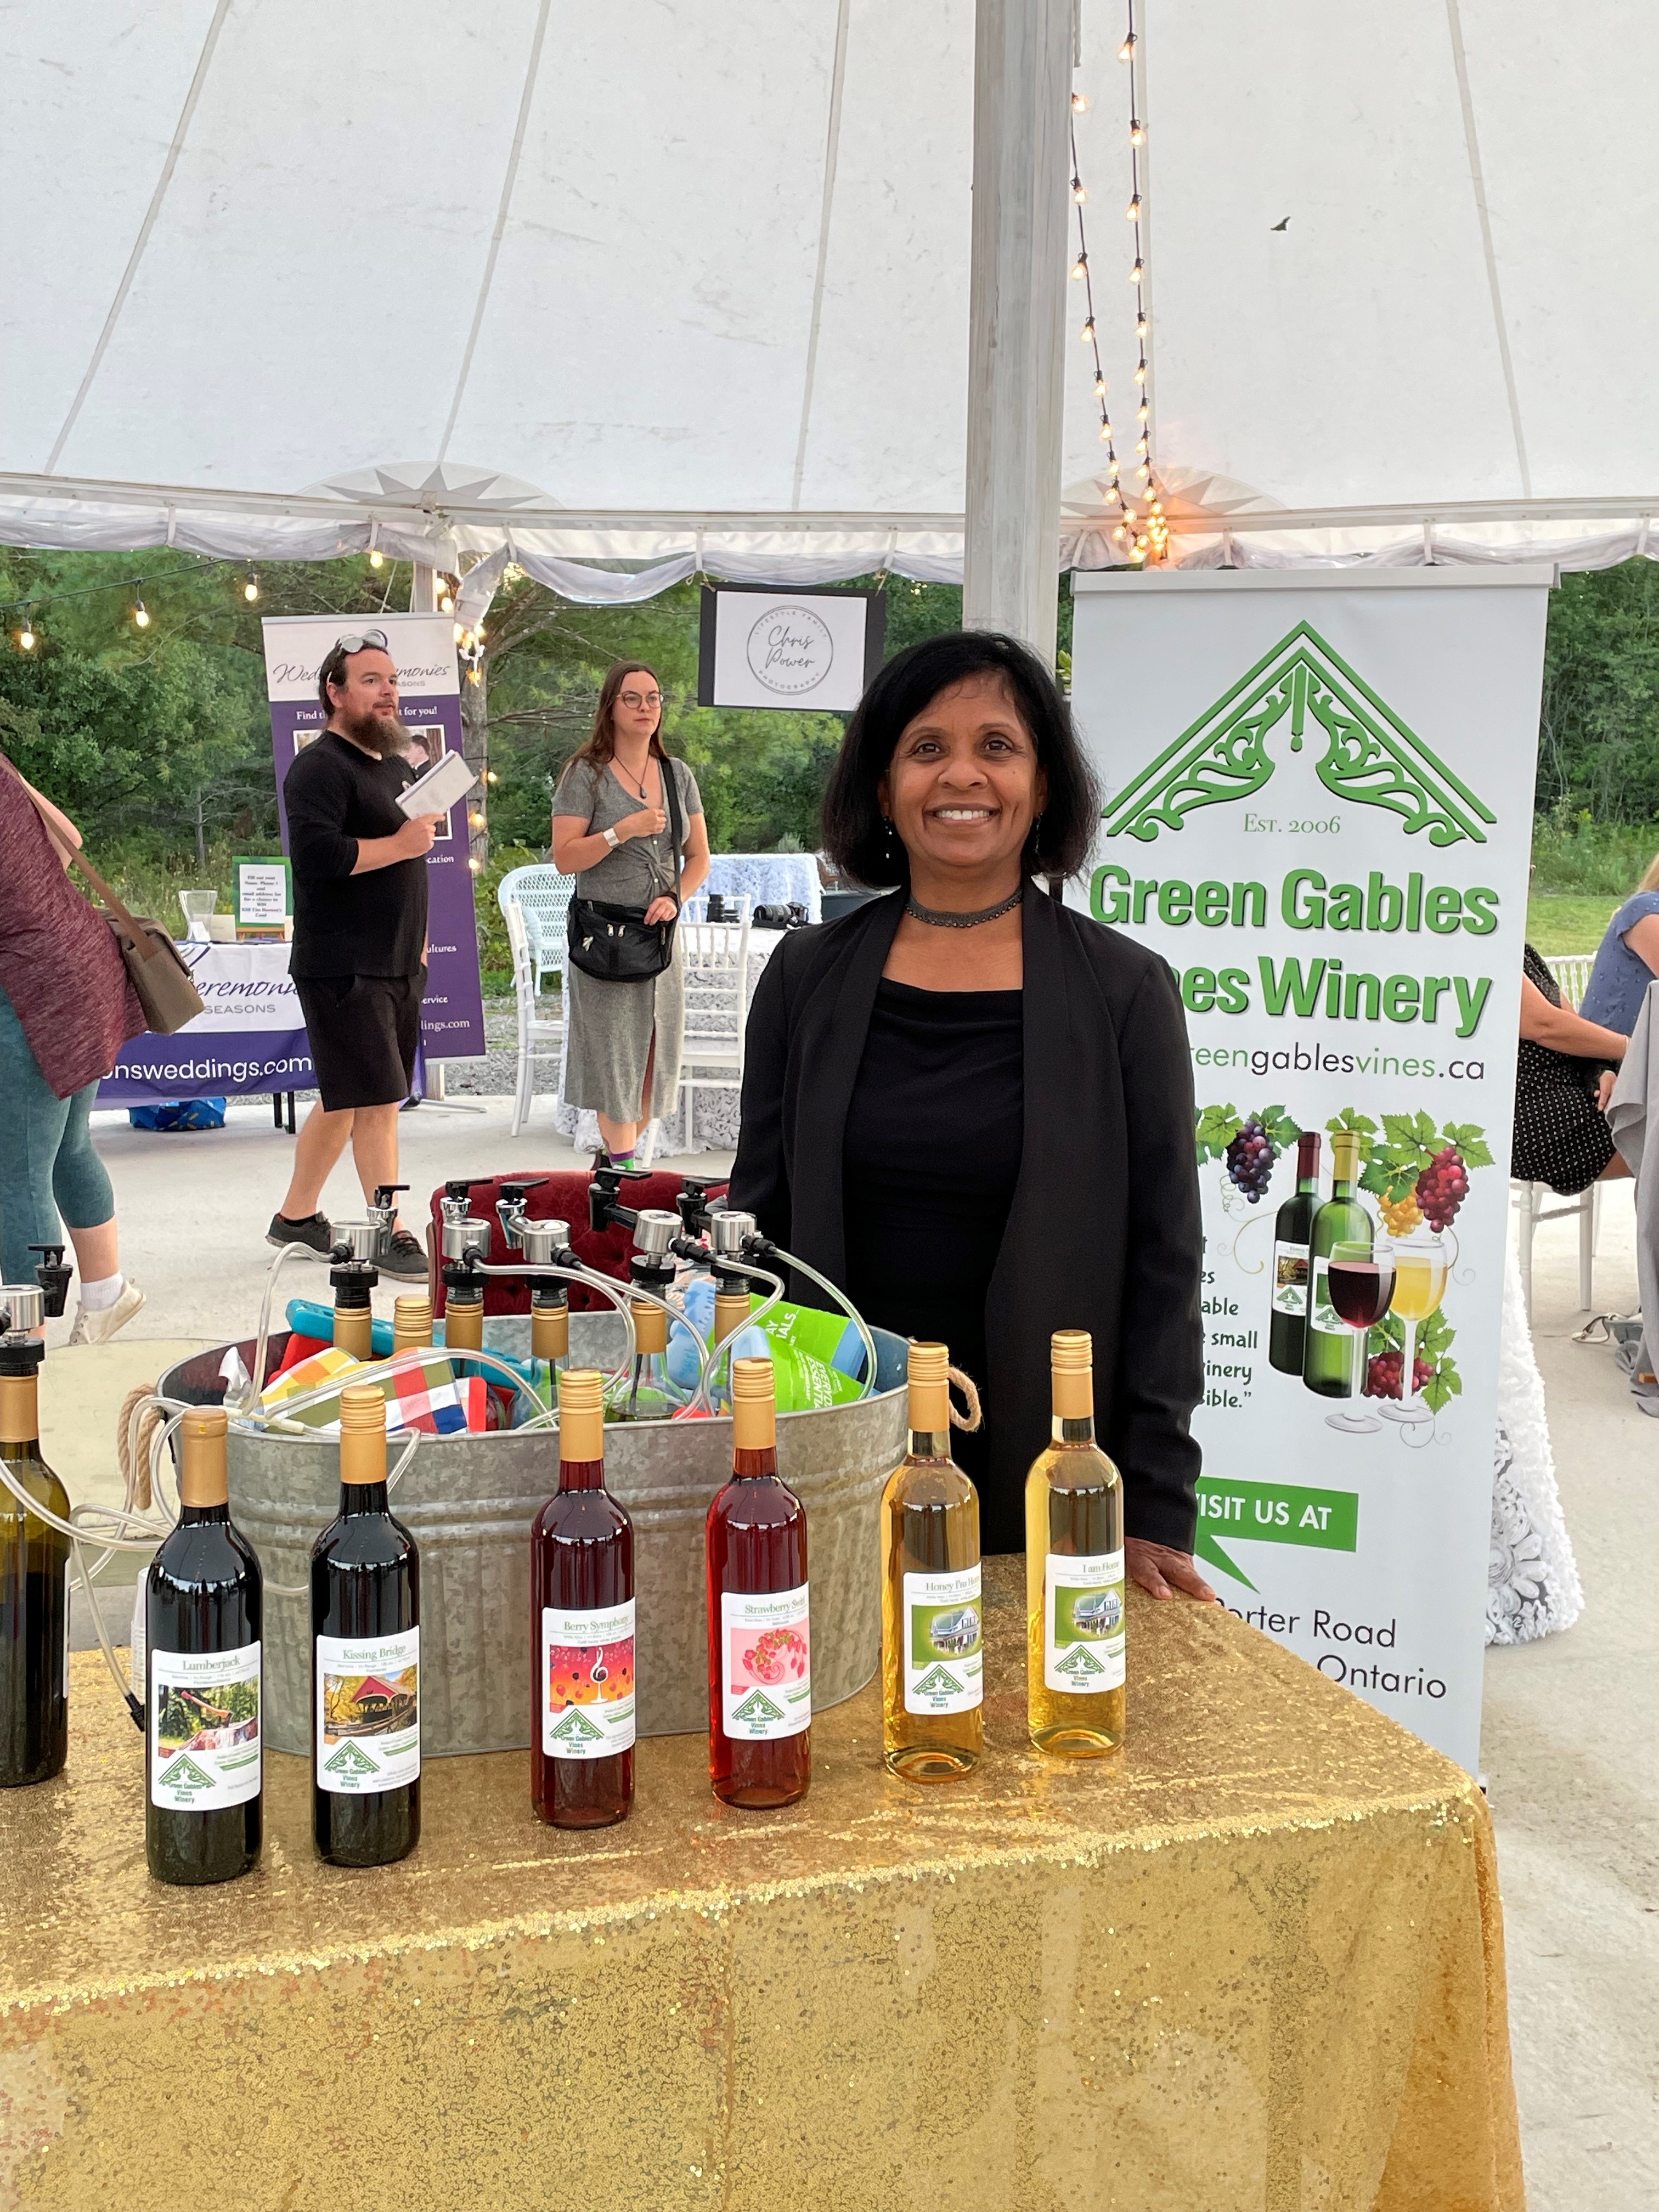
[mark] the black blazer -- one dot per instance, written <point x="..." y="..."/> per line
<point x="1104" y="1233"/>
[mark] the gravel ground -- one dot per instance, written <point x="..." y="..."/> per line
<point x="495" y="1075"/>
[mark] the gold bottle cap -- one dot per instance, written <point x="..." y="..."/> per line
<point x="362" y="1434"/>
<point x="1072" y="1370"/>
<point x="412" y="1318"/>
<point x="362" y="1407"/>
<point x="929" y="1375"/>
<point x="1345" y="1153"/>
<point x="581" y="1413"/>
<point x="754" y="1404"/>
<point x="650" y="1327"/>
<point x="203" y="1479"/>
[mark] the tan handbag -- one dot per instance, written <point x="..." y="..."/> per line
<point x="160" y="977"/>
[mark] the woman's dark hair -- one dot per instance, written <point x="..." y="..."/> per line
<point x="856" y="838"/>
<point x="601" y="744"/>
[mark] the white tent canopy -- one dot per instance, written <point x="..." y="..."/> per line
<point x="676" y="287"/>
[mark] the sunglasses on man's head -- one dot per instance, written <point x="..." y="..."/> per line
<point x="369" y="637"/>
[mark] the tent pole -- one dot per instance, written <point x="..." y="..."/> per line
<point x="1016" y="316"/>
<point x="423" y="591"/>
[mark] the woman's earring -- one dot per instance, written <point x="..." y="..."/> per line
<point x="892" y="836"/>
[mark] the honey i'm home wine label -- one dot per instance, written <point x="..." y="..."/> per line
<point x="944" y="1643"/>
<point x="368" y="1712"/>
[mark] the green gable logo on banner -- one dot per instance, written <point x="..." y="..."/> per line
<point x="938" y="1682"/>
<point x="1301" y="692"/>
<point x="1078" y="1662"/>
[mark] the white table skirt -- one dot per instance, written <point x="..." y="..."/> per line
<point x="716" y="1117"/>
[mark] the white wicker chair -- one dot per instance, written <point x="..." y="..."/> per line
<point x="544" y="897"/>
<point x="540" y="1041"/>
<point x="714" y="958"/>
<point x="1572" y="970"/>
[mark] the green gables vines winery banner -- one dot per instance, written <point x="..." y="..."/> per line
<point x="1319" y="810"/>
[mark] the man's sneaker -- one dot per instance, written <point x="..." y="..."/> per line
<point x="99" y="1327"/>
<point x="404" y="1258"/>
<point x="316" y="1233"/>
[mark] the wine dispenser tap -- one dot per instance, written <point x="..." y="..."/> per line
<point x="353" y="1274"/>
<point x="605" y="1206"/>
<point x="53" y="1277"/>
<point x="510" y="1210"/>
<point x="384" y="1212"/>
<point x="22" y="1310"/>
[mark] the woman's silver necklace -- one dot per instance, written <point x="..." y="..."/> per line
<point x="937" y="919"/>
<point x="634" y="782"/>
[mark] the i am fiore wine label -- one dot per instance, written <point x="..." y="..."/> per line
<point x="368" y="1712"/>
<point x="1083" y="1624"/>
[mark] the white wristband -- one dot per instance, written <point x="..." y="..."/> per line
<point x="612" y="839"/>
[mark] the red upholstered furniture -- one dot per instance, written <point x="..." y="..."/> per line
<point x="562" y="1197"/>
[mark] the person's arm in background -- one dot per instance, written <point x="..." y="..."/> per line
<point x="1161" y="1353"/>
<point x="1643" y="939"/>
<point x="1562" y="1030"/>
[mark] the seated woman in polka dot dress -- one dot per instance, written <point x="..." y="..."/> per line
<point x="1565" y="1073"/>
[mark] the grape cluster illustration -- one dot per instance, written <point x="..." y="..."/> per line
<point x="1384" y="1370"/>
<point x="1250" y="1160"/>
<point x="1441" y="1187"/>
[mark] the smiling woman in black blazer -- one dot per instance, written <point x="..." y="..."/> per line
<point x="972" y="1107"/>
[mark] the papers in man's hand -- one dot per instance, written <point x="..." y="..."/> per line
<point x="436" y="792"/>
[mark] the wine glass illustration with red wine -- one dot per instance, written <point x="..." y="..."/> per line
<point x="1361" y="1277"/>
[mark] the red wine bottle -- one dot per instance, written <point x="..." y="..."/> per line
<point x="760" y="1668"/>
<point x="34" y="1566"/>
<point x="581" y="1628"/>
<point x="366" y="1658"/>
<point x="204" y="1610"/>
<point x="1287" y="1333"/>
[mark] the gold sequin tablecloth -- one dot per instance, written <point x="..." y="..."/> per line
<point x="1257" y="1963"/>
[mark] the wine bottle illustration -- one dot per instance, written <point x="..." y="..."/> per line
<point x="1288" y="1330"/>
<point x="1332" y="1360"/>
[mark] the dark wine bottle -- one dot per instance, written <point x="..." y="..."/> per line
<point x="1332" y="1352"/>
<point x="203" y="1615"/>
<point x="366" y="1658"/>
<point x="581" y="1627"/>
<point x="760" y="1669"/>
<point x="34" y="1564"/>
<point x="1288" y="1330"/>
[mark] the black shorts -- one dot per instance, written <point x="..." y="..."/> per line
<point x="364" y="1032"/>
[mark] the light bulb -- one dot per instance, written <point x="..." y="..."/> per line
<point x="1129" y="515"/>
<point x="1141" y="373"/>
<point x="1126" y="52"/>
<point x="377" y="560"/>
<point x="1141" y="326"/>
<point x="445" y="605"/>
<point x="1143" y="412"/>
<point x="1079" y="191"/>
<point x="475" y="863"/>
<point x="490" y="775"/>
<point x="477" y="820"/>
<point x="1100" y="387"/>
<point x="1112" y="469"/>
<point x="141" y="614"/>
<point x="26" y="635"/>
<point x="1105" y="433"/>
<point x="1156" y="505"/>
<point x="1141" y="448"/>
<point x="1080" y="267"/>
<point x="1137" y="132"/>
<point x="1087" y="333"/>
<point x="1080" y="102"/>
<point x="1132" y="210"/>
<point x="1119" y="533"/>
<point x="1138" y="271"/>
<point x="478" y="632"/>
<point x="251" y="589"/>
<point x="459" y="634"/>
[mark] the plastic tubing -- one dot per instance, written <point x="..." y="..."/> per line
<point x="257" y="1380"/>
<point x="605" y="1284"/>
<point x="280" y="1416"/>
<point x="711" y="1359"/>
<point x="848" y="1309"/>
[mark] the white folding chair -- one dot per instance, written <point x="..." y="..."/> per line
<point x="542" y="896"/>
<point x="715" y="957"/>
<point x="1572" y="970"/>
<point x="1531" y="1204"/>
<point x="539" y="1040"/>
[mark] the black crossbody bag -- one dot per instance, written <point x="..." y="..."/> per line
<point x="615" y="944"/>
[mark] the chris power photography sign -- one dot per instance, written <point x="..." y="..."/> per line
<point x="1319" y="811"/>
<point x="762" y="645"/>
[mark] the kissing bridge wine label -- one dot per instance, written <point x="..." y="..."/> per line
<point x="368" y="1712"/>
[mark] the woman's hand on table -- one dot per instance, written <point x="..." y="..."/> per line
<point x="660" y="909"/>
<point x="649" y="822"/>
<point x="1161" y="1570"/>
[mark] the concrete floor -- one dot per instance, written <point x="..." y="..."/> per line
<point x="1569" y="1744"/>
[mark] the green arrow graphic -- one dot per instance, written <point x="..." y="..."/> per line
<point x="1272" y="1513"/>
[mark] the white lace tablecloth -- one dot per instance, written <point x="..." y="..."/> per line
<point x="767" y="878"/>
<point x="1532" y="1586"/>
<point x="716" y="1116"/>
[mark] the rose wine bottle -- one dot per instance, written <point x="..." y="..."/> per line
<point x="366" y="1658"/>
<point x="1075" y="1665"/>
<point x="760" y="1667"/>
<point x="933" y="1657"/>
<point x="34" y="1564"/>
<point x="204" y="1610"/>
<point x="1333" y="1354"/>
<point x="581" y="1628"/>
<point x="1287" y="1332"/>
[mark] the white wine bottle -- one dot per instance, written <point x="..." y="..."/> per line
<point x="1075" y="1666"/>
<point x="932" y="1644"/>
<point x="34" y="1563"/>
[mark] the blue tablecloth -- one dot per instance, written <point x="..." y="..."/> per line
<point x="767" y="878"/>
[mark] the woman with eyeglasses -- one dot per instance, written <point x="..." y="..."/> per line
<point x="638" y="846"/>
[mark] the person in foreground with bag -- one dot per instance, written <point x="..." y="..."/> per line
<point x="623" y="815"/>
<point x="66" y="1009"/>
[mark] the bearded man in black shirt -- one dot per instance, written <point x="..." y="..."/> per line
<point x="359" y="957"/>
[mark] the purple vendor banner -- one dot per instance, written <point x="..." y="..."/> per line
<point x="424" y="648"/>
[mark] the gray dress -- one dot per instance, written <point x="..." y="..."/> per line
<point x="608" y="1026"/>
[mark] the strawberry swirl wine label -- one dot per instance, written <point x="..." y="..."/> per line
<point x="766" y="1664"/>
<point x="587" y="1681"/>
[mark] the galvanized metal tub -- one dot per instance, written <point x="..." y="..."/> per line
<point x="469" y="1503"/>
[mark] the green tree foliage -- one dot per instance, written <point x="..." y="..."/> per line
<point x="1598" y="749"/>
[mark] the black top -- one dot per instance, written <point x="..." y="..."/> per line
<point x="1103" y="1230"/>
<point x="345" y="925"/>
<point x="929" y="1164"/>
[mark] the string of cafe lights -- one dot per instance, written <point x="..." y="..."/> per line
<point x="1145" y="532"/>
<point x="27" y="633"/>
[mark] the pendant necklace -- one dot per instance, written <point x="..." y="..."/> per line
<point x="634" y="782"/>
<point x="937" y="919"/>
